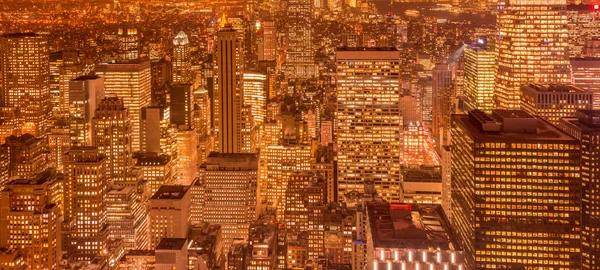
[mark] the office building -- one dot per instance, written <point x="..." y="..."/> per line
<point x="268" y="48"/>
<point x="479" y="70"/>
<point x="111" y="134"/>
<point x="585" y="73"/>
<point x="300" y="55"/>
<point x="553" y="102"/>
<point x="126" y="216"/>
<point x="585" y="126"/>
<point x="129" y="81"/>
<point x="158" y="135"/>
<point x="29" y="219"/>
<point x="443" y="98"/>
<point x="181" y="62"/>
<point x="182" y="105"/>
<point x="186" y="161"/>
<point x="228" y="194"/>
<point x="410" y="236"/>
<point x="85" y="188"/>
<point x="296" y="213"/>
<point x="368" y="150"/>
<point x="169" y="213"/>
<point x="515" y="181"/>
<point x="85" y="93"/>
<point x="172" y="253"/>
<point x="24" y="64"/>
<point x="59" y="142"/>
<point x="421" y="184"/>
<point x="128" y="42"/>
<point x="281" y="161"/>
<point x="26" y="155"/>
<point x="63" y="67"/>
<point x="255" y="96"/>
<point x="532" y="47"/>
<point x="228" y="92"/>
<point x="157" y="170"/>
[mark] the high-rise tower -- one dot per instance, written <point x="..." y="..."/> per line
<point x="300" y="58"/>
<point x="228" y="95"/>
<point x="24" y="64"/>
<point x="368" y="120"/>
<point x="181" y="65"/>
<point x="532" y="46"/>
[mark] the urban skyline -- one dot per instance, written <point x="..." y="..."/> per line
<point x="300" y="134"/>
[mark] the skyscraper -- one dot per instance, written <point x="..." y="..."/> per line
<point x="29" y="216"/>
<point x="368" y="120"/>
<point x="181" y="62"/>
<point x="64" y="66"/>
<point x="182" y="105"/>
<point x="300" y="58"/>
<point x="553" y="102"/>
<point x="443" y="98"/>
<point x="255" y="95"/>
<point x="585" y="126"/>
<point x="479" y="70"/>
<point x="24" y="64"/>
<point x="129" y="46"/>
<point x="85" y="188"/>
<point x="585" y="73"/>
<point x="229" y="185"/>
<point x="26" y="155"/>
<point x="130" y="81"/>
<point x="532" y="46"/>
<point x="228" y="94"/>
<point x="127" y="217"/>
<point x="516" y="191"/>
<point x="269" y="42"/>
<point x="85" y="93"/>
<point x="169" y="213"/>
<point x="111" y="134"/>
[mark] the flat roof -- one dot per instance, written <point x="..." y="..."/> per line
<point x="86" y="78"/>
<point x="545" y="132"/>
<point x="370" y="49"/>
<point x="167" y="192"/>
<point x="410" y="226"/>
<point x="20" y="35"/>
<point x="171" y="244"/>
<point x="153" y="161"/>
<point x="563" y="88"/>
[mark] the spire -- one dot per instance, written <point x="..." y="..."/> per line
<point x="181" y="39"/>
<point x="223" y="20"/>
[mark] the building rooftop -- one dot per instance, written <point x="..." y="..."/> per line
<point x="170" y="192"/>
<point x="20" y="35"/>
<point x="171" y="244"/>
<point x="153" y="161"/>
<point x="86" y="78"/>
<point x="371" y="49"/>
<point x="411" y="226"/>
<point x="38" y="179"/>
<point x="514" y="126"/>
<point x="562" y="88"/>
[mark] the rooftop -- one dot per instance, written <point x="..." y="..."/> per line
<point x="171" y="244"/>
<point x="562" y="88"/>
<point x="20" y="35"/>
<point x="543" y="131"/>
<point x="86" y="78"/>
<point x="371" y="49"/>
<point x="153" y="161"/>
<point x="170" y="193"/>
<point x="411" y="226"/>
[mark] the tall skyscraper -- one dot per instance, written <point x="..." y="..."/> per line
<point x="64" y="66"/>
<point x="368" y="120"/>
<point x="130" y="81"/>
<point x="532" y="46"/>
<point x="300" y="57"/>
<point x="228" y="94"/>
<point x="255" y="95"/>
<point x="158" y="135"/>
<point x="85" y="93"/>
<point x="181" y="62"/>
<point x="85" y="188"/>
<point x="516" y="191"/>
<point x="443" y="98"/>
<point x="59" y="142"/>
<point x="479" y="69"/>
<point x="585" y="126"/>
<point x="269" y="42"/>
<point x="24" y="64"/>
<point x="111" y="134"/>
<point x="29" y="219"/>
